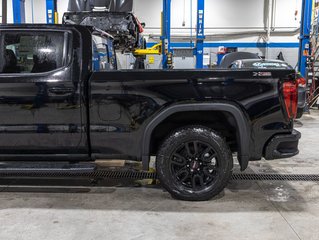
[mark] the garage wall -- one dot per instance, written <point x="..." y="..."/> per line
<point x="9" y="14"/>
<point x="39" y="11"/>
<point x="228" y="16"/>
<point x="221" y="16"/>
<point x="38" y="15"/>
<point x="62" y="8"/>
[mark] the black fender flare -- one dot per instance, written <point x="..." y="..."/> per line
<point x="243" y="128"/>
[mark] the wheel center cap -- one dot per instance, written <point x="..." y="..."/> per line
<point x="194" y="165"/>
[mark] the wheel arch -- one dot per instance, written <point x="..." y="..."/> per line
<point x="242" y="128"/>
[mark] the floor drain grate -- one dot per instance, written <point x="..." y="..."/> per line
<point x="130" y="174"/>
<point x="276" y="177"/>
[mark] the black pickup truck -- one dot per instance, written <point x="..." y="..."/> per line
<point x="61" y="112"/>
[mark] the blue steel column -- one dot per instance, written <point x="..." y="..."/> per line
<point x="305" y="29"/>
<point x="166" y="31"/>
<point x="200" y="34"/>
<point x="50" y="11"/>
<point x="18" y="11"/>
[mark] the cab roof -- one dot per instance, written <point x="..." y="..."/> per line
<point x="80" y="28"/>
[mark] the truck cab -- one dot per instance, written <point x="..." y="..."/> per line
<point x="43" y="75"/>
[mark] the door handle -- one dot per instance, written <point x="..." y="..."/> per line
<point x="60" y="90"/>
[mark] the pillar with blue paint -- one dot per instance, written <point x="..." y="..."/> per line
<point x="166" y="32"/>
<point x="51" y="9"/>
<point x="304" y="48"/>
<point x="18" y="11"/>
<point x="200" y="37"/>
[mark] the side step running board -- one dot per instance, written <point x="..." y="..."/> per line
<point x="20" y="168"/>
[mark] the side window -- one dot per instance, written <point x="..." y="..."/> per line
<point x="31" y="52"/>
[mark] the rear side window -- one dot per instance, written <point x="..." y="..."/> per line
<point x="31" y="52"/>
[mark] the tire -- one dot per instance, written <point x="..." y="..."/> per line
<point x="194" y="163"/>
<point x="300" y="112"/>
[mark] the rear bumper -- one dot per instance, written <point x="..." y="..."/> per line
<point x="283" y="146"/>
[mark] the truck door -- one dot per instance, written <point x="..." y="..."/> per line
<point x="41" y="110"/>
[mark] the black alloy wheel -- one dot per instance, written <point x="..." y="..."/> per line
<point x="194" y="163"/>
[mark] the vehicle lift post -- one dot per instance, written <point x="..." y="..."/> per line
<point x="199" y="49"/>
<point x="18" y="11"/>
<point x="51" y="8"/>
<point x="166" y="34"/>
<point x="304" y="48"/>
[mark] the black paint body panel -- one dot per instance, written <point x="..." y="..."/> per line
<point x="136" y="98"/>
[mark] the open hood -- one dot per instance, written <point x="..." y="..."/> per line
<point x="110" y="5"/>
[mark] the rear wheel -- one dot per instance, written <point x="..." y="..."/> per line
<point x="194" y="164"/>
<point x="300" y="112"/>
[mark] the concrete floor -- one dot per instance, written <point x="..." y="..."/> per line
<point x="245" y="210"/>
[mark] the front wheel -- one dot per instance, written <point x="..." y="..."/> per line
<point x="194" y="163"/>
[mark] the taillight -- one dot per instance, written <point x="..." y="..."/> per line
<point x="290" y="91"/>
<point x="302" y="82"/>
